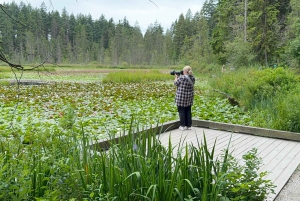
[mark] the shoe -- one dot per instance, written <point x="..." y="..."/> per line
<point x="182" y="128"/>
<point x="187" y="128"/>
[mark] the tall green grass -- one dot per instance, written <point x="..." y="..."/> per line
<point x="250" y="86"/>
<point x="136" y="76"/>
<point x="4" y="68"/>
<point x="281" y="112"/>
<point x="271" y="95"/>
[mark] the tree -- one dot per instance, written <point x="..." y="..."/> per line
<point x="208" y="11"/>
<point x="137" y="45"/>
<point x="263" y="29"/>
<point x="180" y="32"/>
<point x="222" y="32"/>
<point x="170" y="46"/>
<point x="199" y="54"/>
<point x="154" y="44"/>
<point x="30" y="47"/>
<point x="238" y="31"/>
<point x="293" y="35"/>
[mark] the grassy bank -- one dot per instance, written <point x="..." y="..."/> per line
<point x="271" y="95"/>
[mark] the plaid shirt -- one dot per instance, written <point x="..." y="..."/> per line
<point x="185" y="91"/>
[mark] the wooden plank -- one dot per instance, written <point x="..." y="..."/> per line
<point x="218" y="138"/>
<point x="233" y="139"/>
<point x="176" y="135"/>
<point x="273" y="151"/>
<point x="291" y="158"/>
<point x="283" y="178"/>
<point x="210" y="136"/>
<point x="240" y="148"/>
<point x="280" y="157"/>
<point x="282" y="161"/>
<point x="167" y="126"/>
<point x="221" y="144"/>
<point x="238" y="153"/>
<point x="245" y="145"/>
<point x="274" y="157"/>
<point x="268" y="147"/>
<point x="257" y="142"/>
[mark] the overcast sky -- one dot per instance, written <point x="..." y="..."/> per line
<point x="142" y="11"/>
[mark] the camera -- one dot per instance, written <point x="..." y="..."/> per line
<point x="178" y="73"/>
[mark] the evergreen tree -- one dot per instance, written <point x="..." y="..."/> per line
<point x="222" y="32"/>
<point x="263" y="29"/>
<point x="200" y="54"/>
<point x="71" y="30"/>
<point x="170" y="47"/>
<point x="180" y="32"/>
<point x="45" y="21"/>
<point x="208" y="11"/>
<point x="30" y="47"/>
<point x="238" y="31"/>
<point x="293" y="35"/>
<point x="100" y="27"/>
<point x="55" y="24"/>
<point x="154" y="44"/>
<point x="137" y="45"/>
<point x="64" y="34"/>
<point x="7" y="34"/>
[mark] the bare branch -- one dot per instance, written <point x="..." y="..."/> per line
<point x="154" y="3"/>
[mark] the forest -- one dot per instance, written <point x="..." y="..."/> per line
<point x="236" y="33"/>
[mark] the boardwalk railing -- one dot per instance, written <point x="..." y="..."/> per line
<point x="168" y="126"/>
<point x="248" y="130"/>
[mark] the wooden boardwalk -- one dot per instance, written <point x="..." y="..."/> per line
<point x="279" y="150"/>
<point x="280" y="157"/>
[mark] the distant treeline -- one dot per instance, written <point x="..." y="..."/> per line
<point x="231" y="32"/>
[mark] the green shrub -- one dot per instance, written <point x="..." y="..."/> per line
<point x="271" y="94"/>
<point x="68" y="117"/>
<point x="250" y="86"/>
<point x="245" y="182"/>
<point x="125" y="64"/>
<point x="15" y="173"/>
<point x="267" y="83"/>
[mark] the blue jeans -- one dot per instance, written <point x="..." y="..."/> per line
<point x="185" y="115"/>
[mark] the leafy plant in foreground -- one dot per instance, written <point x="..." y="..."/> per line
<point x="245" y="183"/>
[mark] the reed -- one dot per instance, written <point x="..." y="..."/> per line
<point x="136" y="76"/>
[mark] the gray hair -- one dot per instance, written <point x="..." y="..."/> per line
<point x="188" y="69"/>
